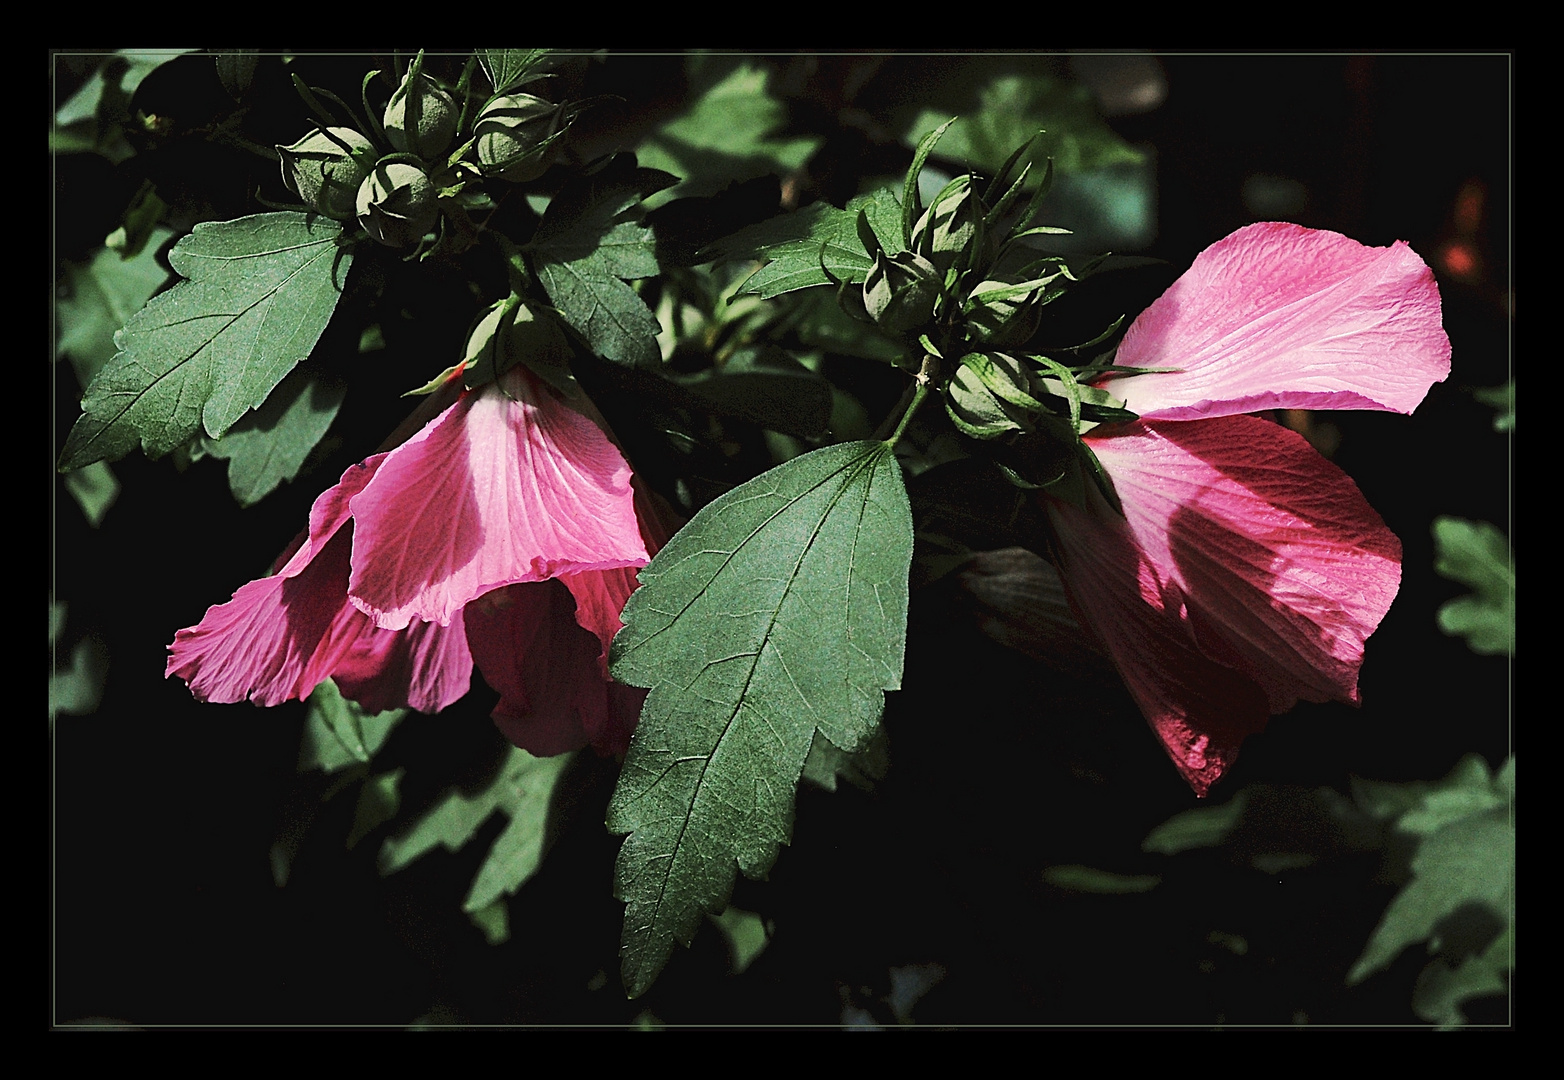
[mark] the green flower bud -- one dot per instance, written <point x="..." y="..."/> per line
<point x="421" y="118"/>
<point x="322" y="174"/>
<point x="1002" y="314"/>
<point x="514" y="135"/>
<point x="950" y="225"/>
<point x="901" y="291"/>
<point x="396" y="204"/>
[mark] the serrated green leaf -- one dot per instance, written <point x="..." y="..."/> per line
<point x="99" y="298"/>
<point x="1442" y="989"/>
<point x="494" y="921"/>
<point x="797" y="244"/>
<point x="725" y="137"/>
<point x="1463" y="872"/>
<point x="522" y="789"/>
<point x="78" y="688"/>
<point x="1010" y="111"/>
<point x="1205" y="826"/>
<point x="583" y="252"/>
<point x="1476" y="553"/>
<point x="269" y="445"/>
<point x="259" y="293"/>
<point x="863" y="768"/>
<point x="339" y="733"/>
<point x="778" y="611"/>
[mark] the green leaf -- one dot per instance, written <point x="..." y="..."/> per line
<point x="1088" y="879"/>
<point x="1204" y="826"/>
<point x="94" y="489"/>
<point x="778" y="611"/>
<point x="338" y="732"/>
<point x="583" y="251"/>
<point x="1009" y="112"/>
<point x="378" y="801"/>
<point x="863" y="768"/>
<point x="797" y="244"/>
<point x="78" y="688"/>
<point x="765" y="386"/>
<point x="260" y="292"/>
<point x="236" y="69"/>
<point x="270" y="445"/>
<point x="725" y="137"/>
<point x="509" y="68"/>
<point x="1476" y="553"/>
<point x="522" y="789"/>
<point x="1502" y="398"/>
<point x="1461" y="898"/>
<point x="746" y="935"/>
<point x="99" y="298"/>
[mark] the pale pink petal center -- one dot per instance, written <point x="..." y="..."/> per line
<point x="509" y="485"/>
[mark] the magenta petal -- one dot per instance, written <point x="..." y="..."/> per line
<point x="1286" y="568"/>
<point x="526" y="642"/>
<point x="1279" y="316"/>
<point x="509" y="485"/>
<point x="279" y="636"/>
<point x="424" y="667"/>
<point x="1199" y="709"/>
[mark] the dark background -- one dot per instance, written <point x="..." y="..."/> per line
<point x="164" y="909"/>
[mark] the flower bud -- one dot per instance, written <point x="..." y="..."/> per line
<point x="1002" y="314"/>
<point x="421" y="118"/>
<point x="514" y="134"/>
<point x="396" y="204"/>
<point x="901" y="290"/>
<point x="322" y="174"/>
<point x="950" y="225"/>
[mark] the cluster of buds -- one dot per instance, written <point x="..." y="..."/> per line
<point x="397" y="183"/>
<point x="969" y="287"/>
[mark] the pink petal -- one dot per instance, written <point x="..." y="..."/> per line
<point x="271" y="642"/>
<point x="424" y="667"/>
<point x="1244" y="558"/>
<point x="1199" y="709"/>
<point x="1279" y="316"/>
<point x="525" y="640"/>
<point x="509" y="485"/>
<point x="280" y="637"/>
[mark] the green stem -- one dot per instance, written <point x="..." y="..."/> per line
<point x="921" y="392"/>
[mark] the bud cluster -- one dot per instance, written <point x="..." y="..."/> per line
<point x="969" y="286"/>
<point x="420" y="162"/>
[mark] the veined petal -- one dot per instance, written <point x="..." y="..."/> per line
<point x="509" y="485"/>
<point x="525" y="640"/>
<point x="1284" y="566"/>
<point x="279" y="636"/>
<point x="1279" y="316"/>
<point x="425" y="667"/>
<point x="1199" y="709"/>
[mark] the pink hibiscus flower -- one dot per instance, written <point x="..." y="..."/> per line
<point x="505" y="533"/>
<point x="1247" y="571"/>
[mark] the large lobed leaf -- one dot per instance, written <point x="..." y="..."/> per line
<point x="260" y="292"/>
<point x="780" y="610"/>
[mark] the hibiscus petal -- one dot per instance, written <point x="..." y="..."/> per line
<point x="1200" y="710"/>
<point x="1285" y="567"/>
<point x="509" y="485"/>
<point x="1279" y="316"/>
<point x="425" y="667"/>
<point x="277" y="637"/>
<point x="527" y="644"/>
